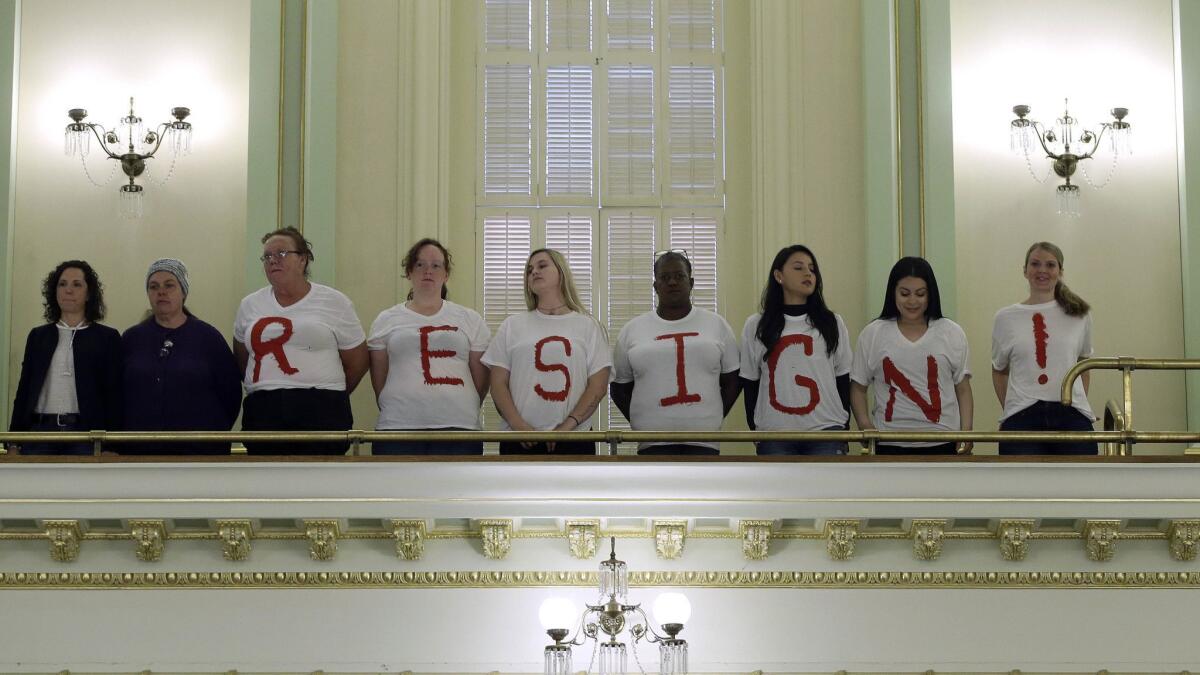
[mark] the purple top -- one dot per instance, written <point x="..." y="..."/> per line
<point x="179" y="379"/>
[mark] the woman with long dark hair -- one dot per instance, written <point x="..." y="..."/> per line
<point x="916" y="359"/>
<point x="796" y="359"/>
<point x="71" y="371"/>
<point x="1034" y="344"/>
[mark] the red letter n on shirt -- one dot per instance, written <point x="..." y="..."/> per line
<point x="553" y="367"/>
<point x="682" y="395"/>
<point x="427" y="354"/>
<point x="894" y="378"/>
<point x="814" y="394"/>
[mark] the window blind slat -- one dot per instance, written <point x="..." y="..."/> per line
<point x="698" y="235"/>
<point x="692" y="129"/>
<point x="630" y="142"/>
<point x="571" y="235"/>
<point x="569" y="25"/>
<point x="569" y="133"/>
<point x="631" y="24"/>
<point x="692" y="24"/>
<point x="507" y="129"/>
<point x="506" y="25"/>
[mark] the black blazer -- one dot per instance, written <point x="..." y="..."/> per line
<point x="98" y="370"/>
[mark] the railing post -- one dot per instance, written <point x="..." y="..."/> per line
<point x="97" y="442"/>
<point x="1127" y="404"/>
<point x="613" y="438"/>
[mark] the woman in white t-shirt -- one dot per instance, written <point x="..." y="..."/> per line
<point x="675" y="367"/>
<point x="426" y="360"/>
<point x="795" y="363"/>
<point x="917" y="361"/>
<point x="301" y="350"/>
<point x="1034" y="344"/>
<point x="550" y="365"/>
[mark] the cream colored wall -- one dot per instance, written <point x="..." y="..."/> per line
<point x="818" y="200"/>
<point x="1123" y="254"/>
<point x="192" y="53"/>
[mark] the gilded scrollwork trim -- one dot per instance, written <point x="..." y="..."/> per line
<point x="410" y="538"/>
<point x="1100" y="539"/>
<point x="235" y="538"/>
<point x="322" y="538"/>
<point x="1183" y="538"/>
<point x="582" y="536"/>
<point x="756" y="538"/>
<point x="927" y="538"/>
<point x="669" y="538"/>
<point x="586" y="579"/>
<point x="839" y="538"/>
<point x="1014" y="538"/>
<point x="496" y="534"/>
<point x="64" y="537"/>
<point x="150" y="538"/>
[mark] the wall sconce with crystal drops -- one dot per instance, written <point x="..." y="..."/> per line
<point x="604" y="622"/>
<point x="1067" y="145"/>
<point x="130" y="145"/>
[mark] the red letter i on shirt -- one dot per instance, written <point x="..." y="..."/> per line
<point x="682" y="395"/>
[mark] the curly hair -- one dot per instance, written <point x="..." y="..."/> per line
<point x="93" y="308"/>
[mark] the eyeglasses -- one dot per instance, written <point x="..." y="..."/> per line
<point x="678" y="251"/>
<point x="278" y="255"/>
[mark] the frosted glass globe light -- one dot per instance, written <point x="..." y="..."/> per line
<point x="557" y="613"/>
<point x="672" y="607"/>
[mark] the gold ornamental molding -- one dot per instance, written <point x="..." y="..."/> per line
<point x="537" y="579"/>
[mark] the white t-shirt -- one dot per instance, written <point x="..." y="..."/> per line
<point x="1064" y="339"/>
<point x="797" y="384"/>
<point x="913" y="381"/>
<point x="429" y="384"/>
<point x="296" y="347"/>
<point x="549" y="359"/>
<point x="676" y="369"/>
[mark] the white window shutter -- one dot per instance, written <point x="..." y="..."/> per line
<point x="692" y="141"/>
<point x="692" y="24"/>
<point x="632" y="239"/>
<point x="571" y="235"/>
<point x="507" y="129"/>
<point x="631" y="24"/>
<point x="506" y="245"/>
<point x="507" y="25"/>
<point x="630" y="142"/>
<point x="697" y="233"/>
<point x="568" y="25"/>
<point x="570" y="161"/>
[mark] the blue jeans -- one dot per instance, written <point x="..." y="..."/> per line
<point x="47" y="423"/>
<point x="426" y="447"/>
<point x="810" y="448"/>
<point x="1047" y="416"/>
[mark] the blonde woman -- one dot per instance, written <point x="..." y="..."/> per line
<point x="1034" y="344"/>
<point x="549" y="365"/>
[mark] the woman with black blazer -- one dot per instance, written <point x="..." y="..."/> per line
<point x="71" y="371"/>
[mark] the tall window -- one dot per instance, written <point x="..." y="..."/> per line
<point x="601" y="136"/>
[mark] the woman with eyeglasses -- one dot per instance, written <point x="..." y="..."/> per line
<point x="71" y="371"/>
<point x="675" y="367"/>
<point x="550" y="365"/>
<point x="916" y="359"/>
<point x="796" y="359"/>
<point x="179" y="372"/>
<point x="301" y="350"/>
<point x="427" y="360"/>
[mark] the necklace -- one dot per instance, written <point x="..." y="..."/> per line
<point x="551" y="310"/>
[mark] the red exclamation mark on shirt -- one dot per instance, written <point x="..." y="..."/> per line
<point x="1040" y="336"/>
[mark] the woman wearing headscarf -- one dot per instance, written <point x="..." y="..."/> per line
<point x="180" y="374"/>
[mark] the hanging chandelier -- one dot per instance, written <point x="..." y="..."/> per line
<point x="130" y="145"/>
<point x="1067" y="144"/>
<point x="606" y="621"/>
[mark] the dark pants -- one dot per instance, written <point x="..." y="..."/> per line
<point x="297" y="410"/>
<point x="426" y="447"/>
<point x="812" y="448"/>
<point x="941" y="449"/>
<point x="1047" y="416"/>
<point x="560" y="448"/>
<point x="55" y="423"/>
<point x="679" y="449"/>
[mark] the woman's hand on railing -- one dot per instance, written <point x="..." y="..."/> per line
<point x="13" y="449"/>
